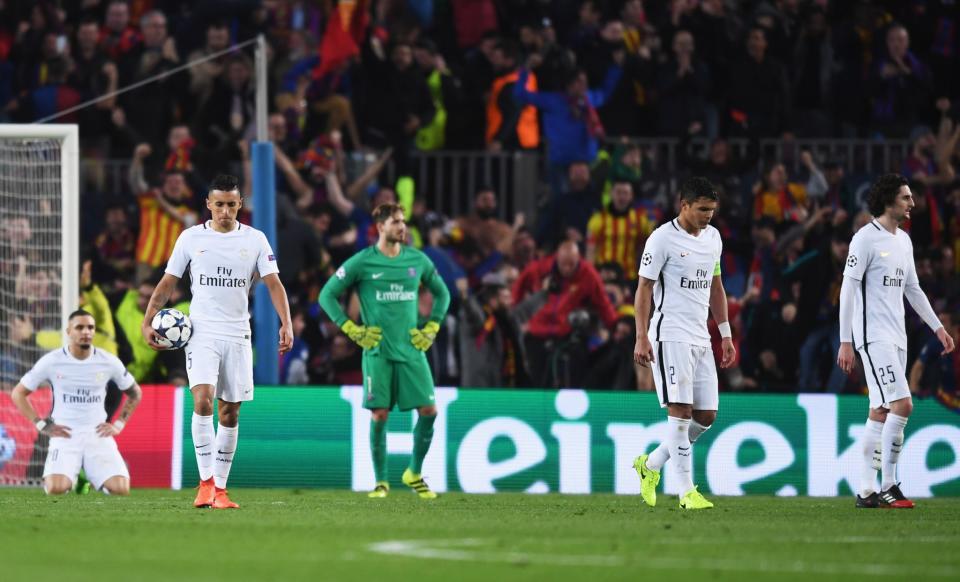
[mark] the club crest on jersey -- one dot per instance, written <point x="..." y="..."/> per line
<point x="647" y="259"/>
<point x="244" y="253"/>
<point x="852" y="261"/>
<point x="411" y="272"/>
<point x="101" y="376"/>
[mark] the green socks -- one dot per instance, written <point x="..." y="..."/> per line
<point x="422" y="437"/>
<point x="378" y="448"/>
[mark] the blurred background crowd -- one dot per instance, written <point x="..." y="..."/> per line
<point x="535" y="145"/>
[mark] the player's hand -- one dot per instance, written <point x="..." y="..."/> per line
<point x="729" y="353"/>
<point x="107" y="429"/>
<point x="151" y="337"/>
<point x="57" y="430"/>
<point x="845" y="357"/>
<point x="422" y="339"/>
<point x="366" y="337"/>
<point x="286" y="339"/>
<point x="643" y="351"/>
<point x="946" y="340"/>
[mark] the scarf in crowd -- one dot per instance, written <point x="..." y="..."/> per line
<point x="179" y="159"/>
<point x="584" y="110"/>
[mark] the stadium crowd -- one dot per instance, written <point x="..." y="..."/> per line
<point x="542" y="300"/>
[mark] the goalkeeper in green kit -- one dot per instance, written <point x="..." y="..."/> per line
<point x="395" y="369"/>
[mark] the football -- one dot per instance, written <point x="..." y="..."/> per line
<point x="173" y="327"/>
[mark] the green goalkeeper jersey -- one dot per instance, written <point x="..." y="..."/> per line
<point x="388" y="289"/>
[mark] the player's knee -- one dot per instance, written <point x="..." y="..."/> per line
<point x="380" y="415"/>
<point x="57" y="488"/>
<point x="122" y="489"/>
<point x="427" y="411"/>
<point x="203" y="406"/>
<point x="903" y="407"/>
<point x="705" y="417"/>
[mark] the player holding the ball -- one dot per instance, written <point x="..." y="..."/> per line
<point x="224" y="258"/>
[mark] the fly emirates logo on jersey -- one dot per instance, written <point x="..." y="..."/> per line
<point x="700" y="282"/>
<point x="895" y="281"/>
<point x="223" y="278"/>
<point x="396" y="294"/>
<point x="84" y="396"/>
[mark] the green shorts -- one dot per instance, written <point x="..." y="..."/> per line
<point x="388" y="383"/>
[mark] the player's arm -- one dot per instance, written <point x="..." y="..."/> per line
<point x="133" y="396"/>
<point x="278" y="296"/>
<point x="20" y="400"/>
<point x="845" y="358"/>
<point x="718" y="307"/>
<point x="159" y="299"/>
<point x="643" y="351"/>
<point x="365" y="337"/>
<point x="921" y="304"/>
<point x="422" y="339"/>
<point x="857" y="260"/>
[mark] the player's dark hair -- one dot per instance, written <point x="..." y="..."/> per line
<point x="224" y="183"/>
<point x="79" y="313"/>
<point x="383" y="212"/>
<point x="698" y="187"/>
<point x="884" y="192"/>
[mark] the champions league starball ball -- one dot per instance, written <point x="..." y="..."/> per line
<point x="173" y="327"/>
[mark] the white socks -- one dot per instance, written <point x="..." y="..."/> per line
<point x="676" y="446"/>
<point x="696" y="429"/>
<point x="201" y="427"/>
<point x="870" y="444"/>
<point x="891" y="441"/>
<point x="226" y="447"/>
<point x="681" y="434"/>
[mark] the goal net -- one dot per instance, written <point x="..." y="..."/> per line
<point x="39" y="272"/>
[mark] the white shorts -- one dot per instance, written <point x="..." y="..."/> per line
<point x="685" y="374"/>
<point x="884" y="366"/>
<point x="225" y="364"/>
<point x="98" y="456"/>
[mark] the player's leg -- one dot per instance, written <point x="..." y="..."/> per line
<point x="116" y="485"/>
<point x="379" y="396"/>
<point x="887" y="363"/>
<point x="57" y="484"/>
<point x="62" y="465"/>
<point x="706" y="394"/>
<point x="378" y="451"/>
<point x="415" y="390"/>
<point x="235" y="387"/>
<point x="105" y="466"/>
<point x="867" y="496"/>
<point x="203" y="371"/>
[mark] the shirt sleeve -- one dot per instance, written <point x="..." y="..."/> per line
<point x="37" y="375"/>
<point x="342" y="279"/>
<point x="441" y="295"/>
<point x="120" y="375"/>
<point x="653" y="258"/>
<point x="266" y="260"/>
<point x="180" y="257"/>
<point x="716" y="268"/>
<point x="857" y="259"/>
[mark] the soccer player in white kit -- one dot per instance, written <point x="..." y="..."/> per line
<point x="223" y="257"/>
<point x="880" y="271"/>
<point x="680" y="276"/>
<point x="80" y="436"/>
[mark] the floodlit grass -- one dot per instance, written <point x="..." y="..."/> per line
<point x="333" y="535"/>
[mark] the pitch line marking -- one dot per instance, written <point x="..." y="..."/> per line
<point x="468" y="550"/>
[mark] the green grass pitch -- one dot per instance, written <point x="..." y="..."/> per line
<point x="333" y="535"/>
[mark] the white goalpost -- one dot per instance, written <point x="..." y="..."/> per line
<point x="39" y="268"/>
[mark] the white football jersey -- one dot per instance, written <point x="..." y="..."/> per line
<point x="79" y="386"/>
<point x="223" y="267"/>
<point x="683" y="267"/>
<point x="883" y="264"/>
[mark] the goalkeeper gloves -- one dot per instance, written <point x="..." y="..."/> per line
<point x="422" y="339"/>
<point x="366" y="337"/>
